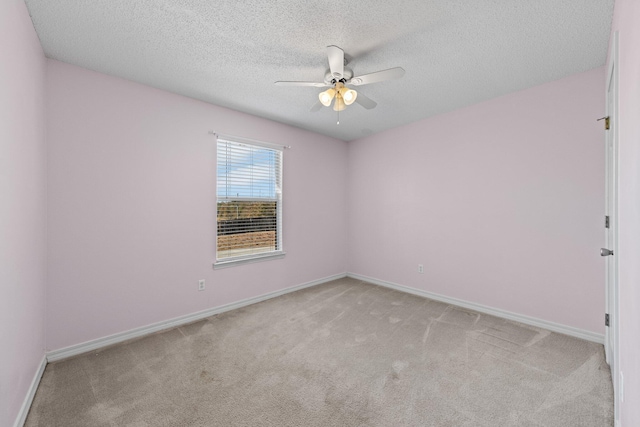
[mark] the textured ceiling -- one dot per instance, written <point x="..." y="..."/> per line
<point x="230" y="52"/>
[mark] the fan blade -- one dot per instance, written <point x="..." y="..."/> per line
<point x="336" y="61"/>
<point x="314" y="84"/>
<point x="366" y="102"/>
<point x="316" y="107"/>
<point x="378" y="76"/>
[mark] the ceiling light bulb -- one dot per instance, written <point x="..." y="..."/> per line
<point x="349" y="96"/>
<point x="326" y="96"/>
<point x="339" y="104"/>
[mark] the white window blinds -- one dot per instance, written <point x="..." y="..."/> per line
<point x="249" y="200"/>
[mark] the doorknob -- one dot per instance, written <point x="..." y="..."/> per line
<point x="605" y="252"/>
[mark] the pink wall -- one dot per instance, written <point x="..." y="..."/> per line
<point x="502" y="202"/>
<point x="627" y="21"/>
<point x="132" y="206"/>
<point x="22" y="207"/>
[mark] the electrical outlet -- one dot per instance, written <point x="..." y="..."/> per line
<point x="201" y="285"/>
<point x="420" y="268"/>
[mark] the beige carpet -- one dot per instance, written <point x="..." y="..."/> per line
<point x="345" y="353"/>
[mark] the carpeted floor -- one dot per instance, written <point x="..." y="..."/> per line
<point x="345" y="353"/>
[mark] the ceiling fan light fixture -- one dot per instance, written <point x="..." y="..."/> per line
<point x="327" y="96"/>
<point x="335" y="78"/>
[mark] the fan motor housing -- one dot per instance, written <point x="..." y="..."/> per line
<point x="330" y="79"/>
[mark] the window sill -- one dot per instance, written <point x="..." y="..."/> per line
<point x="248" y="260"/>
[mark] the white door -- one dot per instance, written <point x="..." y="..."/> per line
<point x="610" y="251"/>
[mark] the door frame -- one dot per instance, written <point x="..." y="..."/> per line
<point x="612" y="303"/>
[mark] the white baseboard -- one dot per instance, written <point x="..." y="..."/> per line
<point x="87" y="346"/>
<point x="26" y="404"/>
<point x="539" y="323"/>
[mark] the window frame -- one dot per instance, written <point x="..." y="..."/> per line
<point x="261" y="256"/>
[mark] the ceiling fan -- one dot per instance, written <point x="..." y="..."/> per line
<point x="338" y="77"/>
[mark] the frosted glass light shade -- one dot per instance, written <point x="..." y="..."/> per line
<point x="327" y="96"/>
<point x="349" y="96"/>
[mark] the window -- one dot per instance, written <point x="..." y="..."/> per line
<point x="249" y="201"/>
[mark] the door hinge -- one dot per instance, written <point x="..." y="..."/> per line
<point x="606" y="319"/>
<point x="606" y="221"/>
<point x="606" y="122"/>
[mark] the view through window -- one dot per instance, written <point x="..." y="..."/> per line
<point x="249" y="200"/>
